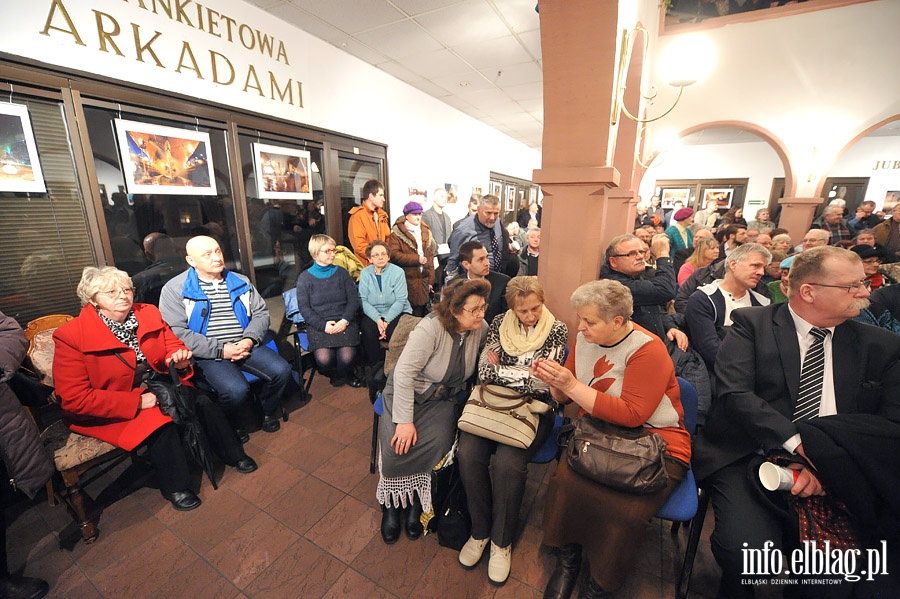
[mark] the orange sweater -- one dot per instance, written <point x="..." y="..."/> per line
<point x="636" y="385"/>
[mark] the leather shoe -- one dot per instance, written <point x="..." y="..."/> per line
<point x="23" y="588"/>
<point x="242" y="435"/>
<point x="246" y="465"/>
<point x="390" y="524"/>
<point x="271" y="424"/>
<point x="356" y="383"/>
<point x="413" y="521"/>
<point x="184" y="501"/>
<point x="593" y="590"/>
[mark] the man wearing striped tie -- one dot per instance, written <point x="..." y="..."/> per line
<point x="778" y="367"/>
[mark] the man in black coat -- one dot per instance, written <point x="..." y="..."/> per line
<point x="758" y="372"/>
<point x="651" y="289"/>
<point x="473" y="257"/>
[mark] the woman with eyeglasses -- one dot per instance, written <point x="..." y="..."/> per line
<point x="494" y="474"/>
<point x="101" y="361"/>
<point x="329" y="301"/>
<point x="418" y="426"/>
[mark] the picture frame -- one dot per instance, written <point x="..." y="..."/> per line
<point x="668" y="196"/>
<point x="282" y="173"/>
<point x="496" y="189"/>
<point x="532" y="195"/>
<point x="510" y="201"/>
<point x="20" y="165"/>
<point x="722" y="195"/>
<point x="165" y="160"/>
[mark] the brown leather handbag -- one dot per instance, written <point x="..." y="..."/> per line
<point x="626" y="459"/>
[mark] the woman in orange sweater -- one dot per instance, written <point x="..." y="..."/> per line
<point x="621" y="373"/>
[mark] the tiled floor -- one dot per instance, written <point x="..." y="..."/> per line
<point x="306" y="524"/>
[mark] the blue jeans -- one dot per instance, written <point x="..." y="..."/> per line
<point x="231" y="388"/>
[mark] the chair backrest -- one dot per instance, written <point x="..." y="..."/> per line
<point x="291" y="309"/>
<point x="689" y="401"/>
<point x="39" y="334"/>
<point x="398" y="340"/>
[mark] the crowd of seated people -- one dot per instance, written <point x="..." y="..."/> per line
<point x="735" y="304"/>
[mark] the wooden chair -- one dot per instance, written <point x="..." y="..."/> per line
<point x="73" y="454"/>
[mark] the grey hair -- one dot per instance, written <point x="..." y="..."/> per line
<point x="489" y="200"/>
<point x="782" y="237"/>
<point x="613" y="246"/>
<point x="95" y="279"/>
<point x="609" y="297"/>
<point x="742" y="252"/>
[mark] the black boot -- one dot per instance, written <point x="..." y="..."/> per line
<point x="413" y="520"/>
<point x="563" y="579"/>
<point x="592" y="590"/>
<point x="390" y="524"/>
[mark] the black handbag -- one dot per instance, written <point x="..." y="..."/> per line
<point x="29" y="388"/>
<point x="451" y="518"/>
<point x="626" y="459"/>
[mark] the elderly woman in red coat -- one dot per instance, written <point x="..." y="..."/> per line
<point x="98" y="364"/>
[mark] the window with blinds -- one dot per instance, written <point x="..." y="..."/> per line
<point x="44" y="237"/>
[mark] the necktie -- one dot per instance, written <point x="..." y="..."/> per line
<point x="812" y="373"/>
<point x="496" y="255"/>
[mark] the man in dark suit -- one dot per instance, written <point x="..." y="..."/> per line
<point x="473" y="257"/>
<point x="760" y="403"/>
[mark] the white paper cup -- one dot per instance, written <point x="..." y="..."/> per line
<point x="777" y="478"/>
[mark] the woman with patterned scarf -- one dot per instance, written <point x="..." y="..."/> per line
<point x="494" y="474"/>
<point x="99" y="366"/>
<point x="412" y="249"/>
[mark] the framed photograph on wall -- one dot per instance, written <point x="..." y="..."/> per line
<point x="157" y="159"/>
<point x="281" y="173"/>
<point x="497" y="189"/>
<point x="723" y="197"/>
<point x="532" y="195"/>
<point x="668" y="196"/>
<point x="20" y="167"/>
<point x="510" y="201"/>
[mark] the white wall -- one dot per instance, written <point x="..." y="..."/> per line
<point x="815" y="80"/>
<point x="429" y="142"/>
<point x="862" y="157"/>
<point x="754" y="161"/>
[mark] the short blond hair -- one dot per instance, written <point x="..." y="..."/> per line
<point x="317" y="242"/>
<point x="611" y="298"/>
<point x="94" y="280"/>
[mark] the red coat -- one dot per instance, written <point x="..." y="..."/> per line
<point x="96" y="389"/>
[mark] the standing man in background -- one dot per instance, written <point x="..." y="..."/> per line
<point x="368" y="221"/>
<point x="441" y="227"/>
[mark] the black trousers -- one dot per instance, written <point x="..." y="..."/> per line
<point x="494" y="477"/>
<point x="167" y="454"/>
<point x="370" y="341"/>
<point x="743" y="520"/>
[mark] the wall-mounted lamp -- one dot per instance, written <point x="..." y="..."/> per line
<point x="687" y="60"/>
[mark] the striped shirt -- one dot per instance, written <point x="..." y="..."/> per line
<point x="223" y="324"/>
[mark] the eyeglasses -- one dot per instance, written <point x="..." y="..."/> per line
<point x="854" y="288"/>
<point x="113" y="293"/>
<point x="631" y="254"/>
<point x="476" y="311"/>
<point x="331" y="251"/>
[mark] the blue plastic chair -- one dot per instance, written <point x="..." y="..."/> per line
<point x="303" y="360"/>
<point x="549" y="450"/>
<point x="687" y="502"/>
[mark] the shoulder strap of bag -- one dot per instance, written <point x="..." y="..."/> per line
<point x="505" y="393"/>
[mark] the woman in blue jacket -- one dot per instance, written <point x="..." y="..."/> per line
<point x="382" y="289"/>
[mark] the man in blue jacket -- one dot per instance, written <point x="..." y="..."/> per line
<point x="222" y="319"/>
